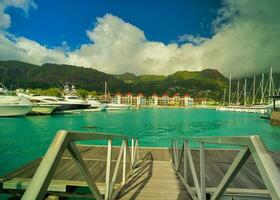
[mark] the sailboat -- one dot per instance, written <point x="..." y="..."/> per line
<point x="113" y="105"/>
<point x="250" y="103"/>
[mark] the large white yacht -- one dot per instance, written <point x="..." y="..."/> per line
<point x="42" y="105"/>
<point x="13" y="105"/>
<point x="76" y="101"/>
<point x="61" y="104"/>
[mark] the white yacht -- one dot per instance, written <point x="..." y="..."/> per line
<point x="114" y="105"/>
<point x="117" y="106"/>
<point x="96" y="105"/>
<point x="13" y="105"/>
<point x="41" y="104"/>
<point x="77" y="102"/>
<point x="61" y="104"/>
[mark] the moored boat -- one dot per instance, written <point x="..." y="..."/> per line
<point x="96" y="105"/>
<point x="14" y="106"/>
<point x="113" y="105"/>
<point x="71" y="97"/>
<point x="116" y="106"/>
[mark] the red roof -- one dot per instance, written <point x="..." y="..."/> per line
<point x="186" y="95"/>
<point x="154" y="95"/>
<point x="176" y="95"/>
<point x="165" y="95"/>
<point x="140" y="94"/>
<point x="129" y="94"/>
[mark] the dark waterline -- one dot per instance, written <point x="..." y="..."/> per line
<point x="23" y="139"/>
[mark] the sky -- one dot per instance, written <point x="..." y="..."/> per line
<point x="237" y="37"/>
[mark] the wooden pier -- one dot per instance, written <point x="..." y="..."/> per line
<point x="153" y="178"/>
<point x="133" y="172"/>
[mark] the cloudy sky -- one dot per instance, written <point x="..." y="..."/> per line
<point x="238" y="37"/>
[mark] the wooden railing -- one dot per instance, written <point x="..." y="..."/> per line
<point x="251" y="145"/>
<point x="66" y="140"/>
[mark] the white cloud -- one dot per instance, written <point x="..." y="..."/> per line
<point x="246" y="41"/>
<point x="5" y="19"/>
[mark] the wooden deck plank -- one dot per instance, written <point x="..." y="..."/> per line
<point x="156" y="180"/>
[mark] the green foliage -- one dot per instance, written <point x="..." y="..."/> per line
<point x="85" y="93"/>
<point x="48" y="92"/>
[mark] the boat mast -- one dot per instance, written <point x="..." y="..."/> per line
<point x="229" y="90"/>
<point x="262" y="87"/>
<point x="237" y="96"/>
<point x="105" y="92"/>
<point x="254" y="90"/>
<point x="224" y="97"/>
<point x="270" y="83"/>
<point x="245" y="92"/>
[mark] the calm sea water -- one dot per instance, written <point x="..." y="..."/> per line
<point x="23" y="139"/>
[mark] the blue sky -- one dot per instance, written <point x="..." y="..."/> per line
<point x="162" y="20"/>
<point x="236" y="37"/>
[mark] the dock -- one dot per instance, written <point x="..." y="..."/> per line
<point x="140" y="173"/>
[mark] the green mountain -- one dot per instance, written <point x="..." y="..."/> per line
<point x="25" y="75"/>
<point x="207" y="83"/>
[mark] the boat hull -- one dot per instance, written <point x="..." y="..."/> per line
<point x="14" y="110"/>
<point x="69" y="107"/>
<point x="42" y="110"/>
<point x="118" y="107"/>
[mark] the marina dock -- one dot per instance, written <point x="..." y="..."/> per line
<point x="137" y="173"/>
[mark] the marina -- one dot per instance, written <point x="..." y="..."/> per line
<point x="139" y="100"/>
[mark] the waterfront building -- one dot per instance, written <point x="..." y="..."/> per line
<point x="165" y="100"/>
<point x="129" y="99"/>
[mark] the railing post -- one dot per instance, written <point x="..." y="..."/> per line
<point x="108" y="170"/>
<point x="175" y="155"/>
<point x="132" y="151"/>
<point x="202" y="172"/>
<point x="177" y="151"/>
<point x="185" y="162"/>
<point x="124" y="162"/>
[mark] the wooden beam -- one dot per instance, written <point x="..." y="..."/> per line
<point x="42" y="178"/>
<point x="108" y="170"/>
<point x="84" y="171"/>
<point x="238" y="162"/>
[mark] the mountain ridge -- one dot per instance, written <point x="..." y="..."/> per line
<point x="205" y="83"/>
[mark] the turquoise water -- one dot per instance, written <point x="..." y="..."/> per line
<point x="22" y="139"/>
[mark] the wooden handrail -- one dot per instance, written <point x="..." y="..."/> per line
<point x="66" y="140"/>
<point x="251" y="145"/>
